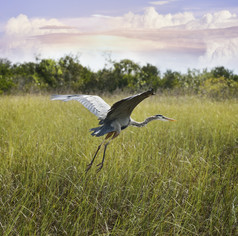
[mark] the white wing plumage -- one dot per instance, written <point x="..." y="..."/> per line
<point x="94" y="104"/>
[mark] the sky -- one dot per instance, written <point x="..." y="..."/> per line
<point x="170" y="34"/>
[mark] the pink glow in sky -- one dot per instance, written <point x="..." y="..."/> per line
<point x="171" y="34"/>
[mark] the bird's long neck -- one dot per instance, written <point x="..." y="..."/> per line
<point x="143" y="123"/>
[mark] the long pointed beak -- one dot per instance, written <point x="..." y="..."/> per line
<point x="169" y="119"/>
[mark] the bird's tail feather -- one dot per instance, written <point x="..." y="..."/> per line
<point x="101" y="130"/>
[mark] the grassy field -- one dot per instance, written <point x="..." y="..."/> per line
<point x="169" y="178"/>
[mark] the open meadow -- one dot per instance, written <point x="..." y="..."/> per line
<point x="168" y="178"/>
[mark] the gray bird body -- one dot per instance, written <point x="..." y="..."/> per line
<point x="112" y="119"/>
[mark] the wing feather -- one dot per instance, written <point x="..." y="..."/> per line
<point x="124" y="107"/>
<point x="94" y="104"/>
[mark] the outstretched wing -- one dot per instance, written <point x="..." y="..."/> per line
<point x="94" y="104"/>
<point x="124" y="107"/>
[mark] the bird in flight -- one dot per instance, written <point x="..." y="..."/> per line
<point x="112" y="119"/>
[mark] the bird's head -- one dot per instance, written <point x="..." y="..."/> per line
<point x="163" y="118"/>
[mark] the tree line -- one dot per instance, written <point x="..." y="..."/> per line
<point x="68" y="75"/>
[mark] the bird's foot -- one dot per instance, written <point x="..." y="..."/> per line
<point x="100" y="166"/>
<point x="88" y="167"/>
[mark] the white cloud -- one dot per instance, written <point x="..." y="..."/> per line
<point x="17" y="41"/>
<point x="23" y="26"/>
<point x="160" y="3"/>
<point x="220" y="19"/>
<point x="151" y="19"/>
<point x="223" y="52"/>
<point x="159" y="38"/>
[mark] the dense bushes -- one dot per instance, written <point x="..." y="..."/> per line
<point x="68" y="75"/>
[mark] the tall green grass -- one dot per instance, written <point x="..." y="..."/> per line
<point x="169" y="178"/>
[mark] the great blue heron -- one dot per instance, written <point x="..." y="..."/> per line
<point x="112" y="119"/>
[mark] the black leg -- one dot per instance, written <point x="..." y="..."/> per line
<point x="101" y="164"/>
<point x="90" y="164"/>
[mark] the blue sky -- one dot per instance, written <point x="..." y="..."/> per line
<point x="79" y="8"/>
<point x="171" y="34"/>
